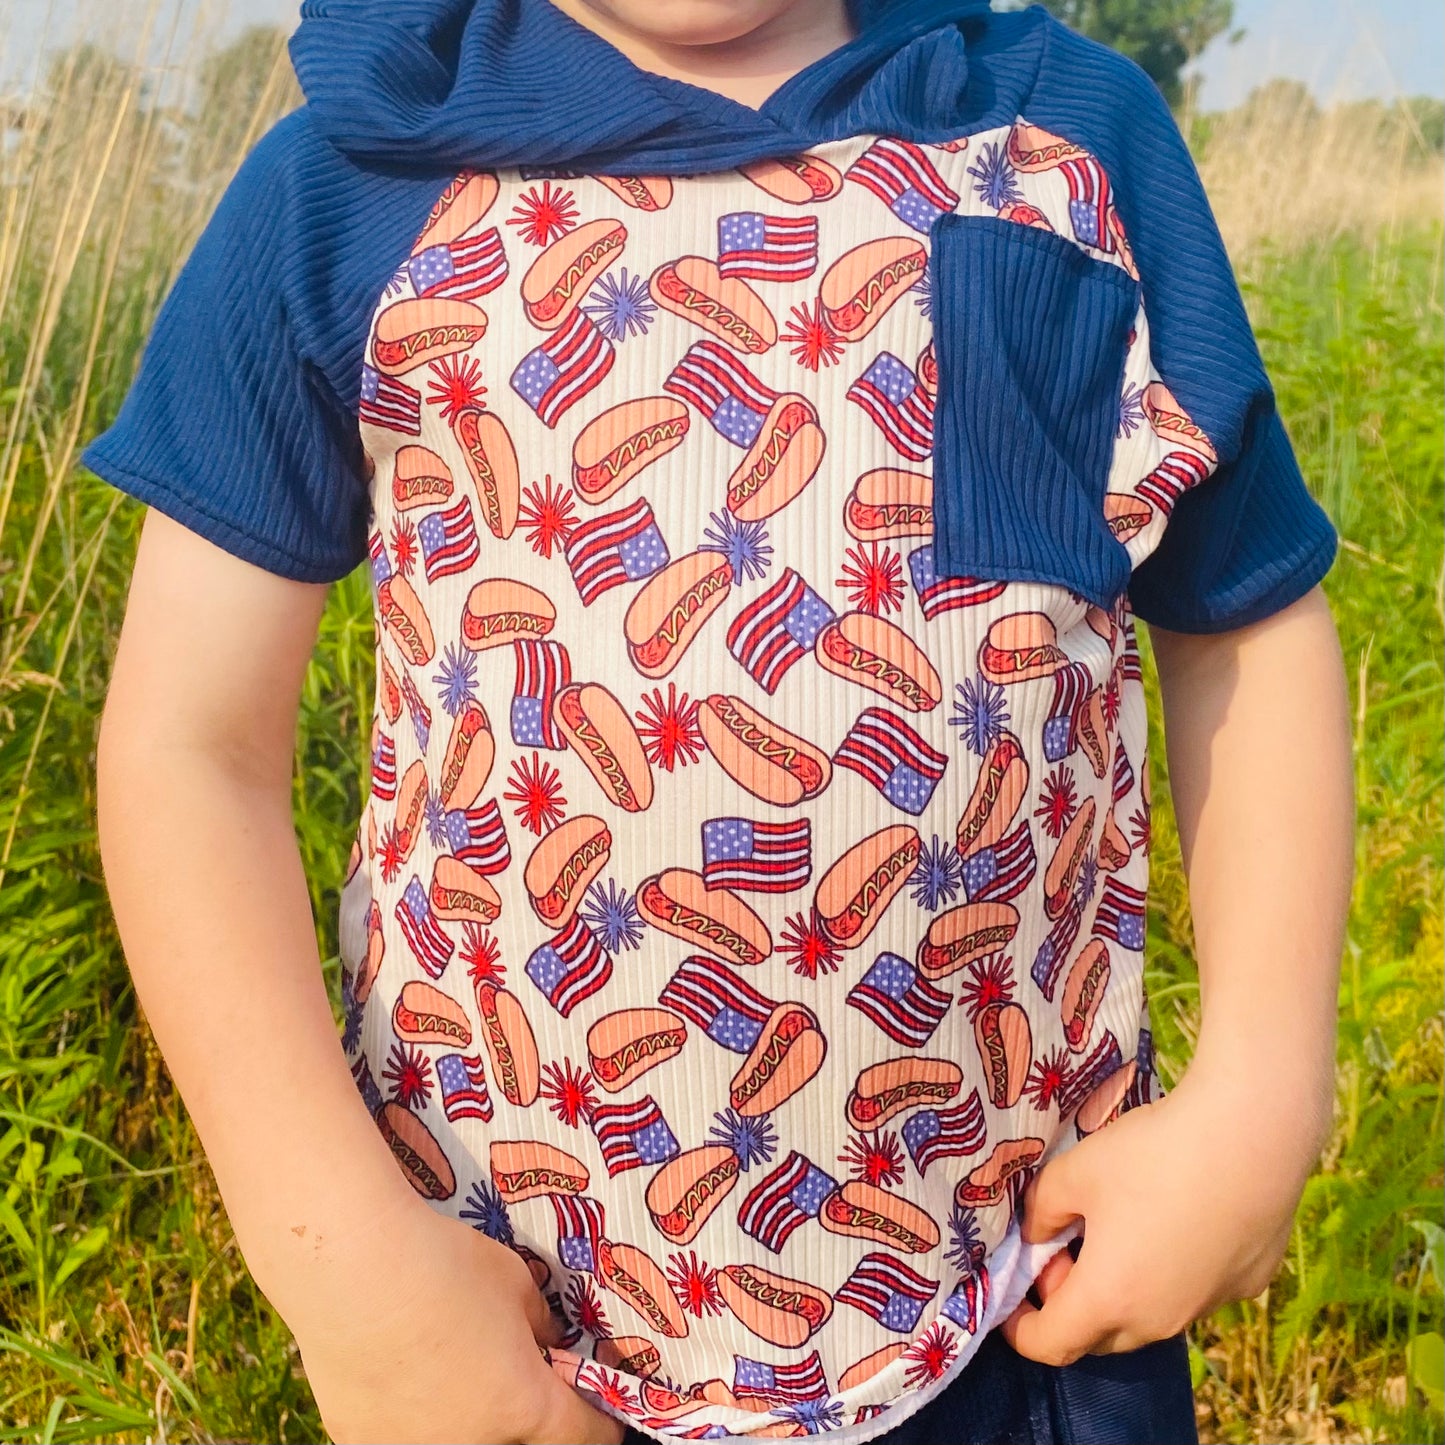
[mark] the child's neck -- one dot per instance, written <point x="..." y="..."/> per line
<point x="748" y="68"/>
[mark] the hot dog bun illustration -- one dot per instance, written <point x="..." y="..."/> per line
<point x="856" y="891"/>
<point x="614" y="447"/>
<point x="492" y="465"/>
<point x="678" y="902"/>
<point x="412" y="333"/>
<point x="686" y="1190"/>
<point x="559" y="278"/>
<point x="859" y="287"/>
<point x="523" y="1169"/>
<point x="785" y="1312"/>
<point x="599" y="731"/>
<point x="770" y="762"/>
<point x="562" y="866"/>
<point x="693" y="288"/>
<point x="669" y="611"/>
<point x="879" y="655"/>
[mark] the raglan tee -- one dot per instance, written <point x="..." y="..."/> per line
<point x="749" y="891"/>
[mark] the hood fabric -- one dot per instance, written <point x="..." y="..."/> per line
<point x="448" y="84"/>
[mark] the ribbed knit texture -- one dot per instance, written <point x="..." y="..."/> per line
<point x="1036" y="331"/>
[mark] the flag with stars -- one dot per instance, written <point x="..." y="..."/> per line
<point x="478" y="836"/>
<point x="712" y="378"/>
<point x="572" y="967"/>
<point x="383" y="768"/>
<point x="968" y="1304"/>
<point x="931" y="1134"/>
<point x="419" y="926"/>
<point x="618" y="547"/>
<point x="1049" y="961"/>
<point x="905" y="180"/>
<point x="1089" y="202"/>
<point x="631" y="1135"/>
<point x="779" y="1386"/>
<point x="1120" y="915"/>
<point x="756" y="247"/>
<point x="564" y="368"/>
<point x="365" y="1082"/>
<point x="1072" y="683"/>
<point x="448" y="540"/>
<point x="730" y="1012"/>
<point x="762" y="857"/>
<point x="389" y="403"/>
<point x="1003" y="870"/>
<point x="894" y="757"/>
<point x="543" y="668"/>
<point x="381" y="568"/>
<point x="417" y="709"/>
<point x="789" y="1196"/>
<point x="1105" y="1058"/>
<point x="898" y="404"/>
<point x="777" y="628"/>
<point x="463" y="1084"/>
<point x="896" y="997"/>
<point x="887" y="1290"/>
<point x="460" y="270"/>
<point x="581" y="1225"/>
<point x="937" y="595"/>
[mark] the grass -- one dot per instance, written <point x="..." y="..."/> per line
<point x="126" y="1312"/>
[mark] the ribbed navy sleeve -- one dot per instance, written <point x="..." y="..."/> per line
<point x="1250" y="539"/>
<point x="241" y="420"/>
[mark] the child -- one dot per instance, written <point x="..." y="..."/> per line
<point x="765" y="424"/>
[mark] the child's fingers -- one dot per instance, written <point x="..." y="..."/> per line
<point x="543" y="1323"/>
<point x="1052" y="1200"/>
<point x="565" y="1417"/>
<point x="1071" y="1323"/>
<point x="1052" y="1275"/>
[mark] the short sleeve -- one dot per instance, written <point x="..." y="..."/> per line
<point x="1249" y="538"/>
<point x="231" y="425"/>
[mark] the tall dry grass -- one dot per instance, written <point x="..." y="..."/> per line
<point x="125" y="1311"/>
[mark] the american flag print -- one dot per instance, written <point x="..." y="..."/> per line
<point x="383" y="767"/>
<point x="460" y="270"/>
<point x="888" y="1290"/>
<point x="732" y="399"/>
<point x="571" y="362"/>
<point x="1120" y="915"/>
<point x="894" y="757"/>
<point x="1048" y="964"/>
<point x="1089" y="202"/>
<point x="463" y="1085"/>
<point x="1123" y="776"/>
<point x="906" y="181"/>
<point x="759" y="856"/>
<point x="896" y="997"/>
<point x="571" y="968"/>
<point x="1104" y="1059"/>
<point x="614" y="549"/>
<point x="419" y="926"/>
<point x="933" y="1134"/>
<point x="478" y="836"/>
<point x="543" y="669"/>
<point x="777" y="629"/>
<point x="1072" y="684"/>
<point x="632" y="1135"/>
<point x="755" y="247"/>
<point x="366" y="1085"/>
<point x="899" y="405"/>
<point x="968" y="1303"/>
<point x="381" y="568"/>
<point x="448" y="540"/>
<point x="937" y="595"/>
<point x="418" y="709"/>
<point x="389" y="403"/>
<point x="788" y="1197"/>
<point x="581" y="1226"/>
<point x="728" y="1010"/>
<point x="1004" y="869"/>
<point x="1179" y="471"/>
<point x="779" y="1386"/>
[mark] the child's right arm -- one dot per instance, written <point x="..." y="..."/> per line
<point x="412" y="1326"/>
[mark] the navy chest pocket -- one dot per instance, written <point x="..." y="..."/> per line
<point x="1031" y="336"/>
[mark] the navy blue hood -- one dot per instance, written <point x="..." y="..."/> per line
<point x="452" y="83"/>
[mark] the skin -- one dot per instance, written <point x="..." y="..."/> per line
<point x="1183" y="1207"/>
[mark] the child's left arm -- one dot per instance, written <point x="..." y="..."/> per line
<point x="1188" y="1202"/>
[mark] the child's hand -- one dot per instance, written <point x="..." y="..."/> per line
<point x="1187" y="1204"/>
<point x="438" y="1341"/>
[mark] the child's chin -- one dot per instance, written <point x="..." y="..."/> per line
<point x="691" y="22"/>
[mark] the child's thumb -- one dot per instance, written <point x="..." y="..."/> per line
<point x="1052" y="1200"/>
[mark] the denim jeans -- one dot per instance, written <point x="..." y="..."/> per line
<point x="1140" y="1397"/>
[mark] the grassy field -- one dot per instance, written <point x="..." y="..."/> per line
<point x="125" y="1310"/>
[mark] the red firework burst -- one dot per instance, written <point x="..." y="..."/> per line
<point x="456" y="382"/>
<point x="1048" y="1075"/>
<point x="1112" y="701"/>
<point x="930" y="1355"/>
<point x="990" y="980"/>
<point x="1141" y="829"/>
<point x="586" y="1309"/>
<point x="390" y="851"/>
<point x="408" y="1071"/>
<point x="809" y="951"/>
<point x="875" y="1158"/>
<point x="482" y="955"/>
<point x="542" y="216"/>
<point x="873" y="578"/>
<point x="669" y="731"/>
<point x="403" y="544"/>
<point x="695" y="1284"/>
<point x="609" y="1387"/>
<point x="536" y="789"/>
<point x="813" y="341"/>
<point x="569" y="1093"/>
<point x="547" y="516"/>
<point x="1057" y="802"/>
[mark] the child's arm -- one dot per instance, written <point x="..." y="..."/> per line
<point x="1188" y="1202"/>
<point x="412" y="1326"/>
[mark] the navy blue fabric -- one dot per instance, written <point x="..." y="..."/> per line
<point x="1031" y="335"/>
<point x="241" y="420"/>
<point x="1137" y="1397"/>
